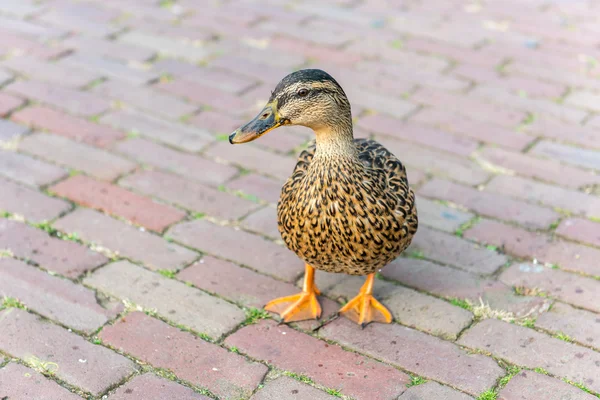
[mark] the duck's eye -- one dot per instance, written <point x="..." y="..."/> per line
<point x="302" y="92"/>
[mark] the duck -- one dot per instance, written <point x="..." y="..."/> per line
<point x="346" y="208"/>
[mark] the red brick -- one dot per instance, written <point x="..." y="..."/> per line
<point x="321" y="34"/>
<point x="249" y="156"/>
<point x="175" y="67"/>
<point x="286" y="139"/>
<point x="257" y="97"/>
<point x="113" y="69"/>
<point x="27" y="170"/>
<point x="58" y="299"/>
<point x="381" y="124"/>
<point x="504" y="99"/>
<point x="170" y="299"/>
<point x="286" y="58"/>
<point x="570" y="288"/>
<point x="451" y="52"/>
<point x="19" y="382"/>
<point x="70" y="357"/>
<point x="263" y="221"/>
<point x="557" y="75"/>
<point x="145" y="98"/>
<point x="21" y="9"/>
<point x="241" y="285"/>
<point x="477" y="130"/>
<point x="151" y="387"/>
<point x="549" y="195"/>
<point x="284" y="386"/>
<point x="416" y="177"/>
<point x="171" y="133"/>
<point x="376" y="101"/>
<point x="456" y="32"/>
<point x="440" y="216"/>
<point x="125" y="240"/>
<point x="449" y="249"/>
<point x="192" y="359"/>
<point x="452" y="283"/>
<point x="523" y="346"/>
<point x="64" y="257"/>
<point x="32" y="205"/>
<point x="488" y="77"/>
<point x="10" y="132"/>
<point x="525" y="244"/>
<point x="491" y="205"/>
<point x="409" y="71"/>
<point x="433" y="390"/>
<point x="312" y="51"/>
<point x="66" y="125"/>
<point x="418" y="353"/>
<point x="222" y="80"/>
<point x="577" y="156"/>
<point x="56" y="73"/>
<point x="9" y="103"/>
<point x="376" y="47"/>
<point x="108" y="48"/>
<point x="83" y="18"/>
<point x="541" y="29"/>
<point x="352" y="81"/>
<point x="204" y="95"/>
<point x="216" y="122"/>
<point x="190" y="195"/>
<point x="469" y="107"/>
<point x="76" y="102"/>
<point x="580" y="230"/>
<point x="198" y="38"/>
<point x="250" y="250"/>
<point x="329" y="365"/>
<point x="118" y="201"/>
<point x="476" y="73"/>
<point x="81" y="157"/>
<point x="342" y="287"/>
<point x="553" y="128"/>
<point x="191" y="166"/>
<point x="417" y="310"/>
<point x="15" y="43"/>
<point x="528" y="385"/>
<point x="436" y="163"/>
<point x="261" y="71"/>
<point x="260" y="186"/>
<point x="583" y="326"/>
<point x="147" y="11"/>
<point x="533" y="167"/>
<point x="594" y="122"/>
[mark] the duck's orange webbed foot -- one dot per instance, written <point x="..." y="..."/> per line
<point x="365" y="308"/>
<point x="301" y="306"/>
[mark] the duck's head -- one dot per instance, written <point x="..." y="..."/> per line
<point x="309" y="97"/>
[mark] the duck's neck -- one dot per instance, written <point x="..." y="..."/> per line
<point x="336" y="141"/>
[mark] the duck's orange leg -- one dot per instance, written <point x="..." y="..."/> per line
<point x="301" y="306"/>
<point x="365" y="308"/>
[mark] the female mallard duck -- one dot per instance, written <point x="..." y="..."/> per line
<point x="347" y="206"/>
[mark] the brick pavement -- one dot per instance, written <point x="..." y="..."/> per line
<point x="120" y="199"/>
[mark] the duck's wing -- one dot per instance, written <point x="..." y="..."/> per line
<point x="396" y="189"/>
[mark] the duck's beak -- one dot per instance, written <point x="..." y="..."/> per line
<point x="268" y="119"/>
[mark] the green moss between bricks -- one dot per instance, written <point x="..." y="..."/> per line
<point x="299" y="377"/>
<point x="462" y="303"/>
<point x="167" y="273"/>
<point x="254" y="315"/>
<point x="488" y="395"/>
<point x="416" y="381"/>
<point x="11" y="302"/>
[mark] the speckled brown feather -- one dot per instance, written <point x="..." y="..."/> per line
<point x="351" y="213"/>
